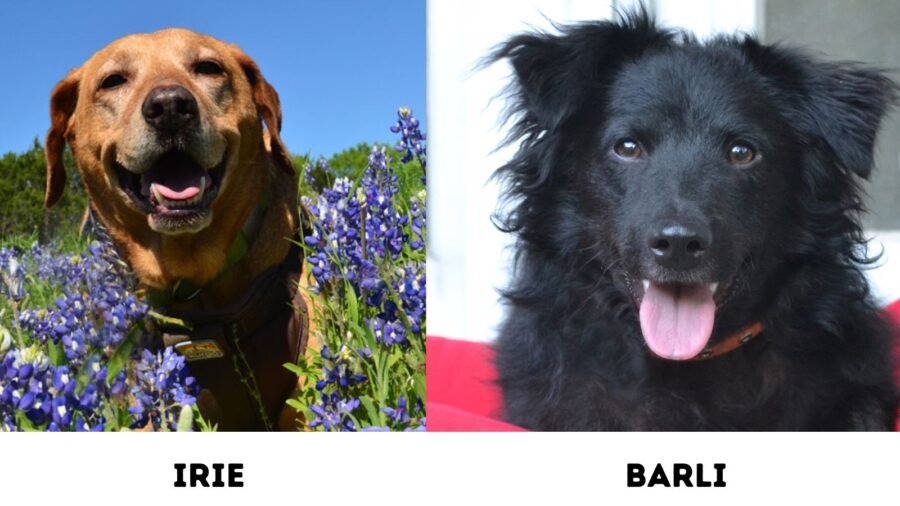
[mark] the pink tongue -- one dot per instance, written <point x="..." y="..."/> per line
<point x="173" y="194"/>
<point x="677" y="321"/>
<point x="175" y="176"/>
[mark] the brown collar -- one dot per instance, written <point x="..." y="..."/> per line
<point x="731" y="342"/>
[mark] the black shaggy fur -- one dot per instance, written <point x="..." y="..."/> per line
<point x="788" y="248"/>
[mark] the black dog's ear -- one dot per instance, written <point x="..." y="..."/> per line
<point x="555" y="73"/>
<point x="845" y="106"/>
<point x="838" y="104"/>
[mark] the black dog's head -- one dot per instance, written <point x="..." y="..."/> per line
<point x="694" y="174"/>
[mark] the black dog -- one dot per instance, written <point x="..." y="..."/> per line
<point x="689" y="250"/>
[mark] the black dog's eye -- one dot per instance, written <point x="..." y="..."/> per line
<point x="740" y="154"/>
<point x="208" y="67"/>
<point x="113" y="81"/>
<point x="628" y="148"/>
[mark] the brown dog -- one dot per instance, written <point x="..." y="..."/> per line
<point x="199" y="199"/>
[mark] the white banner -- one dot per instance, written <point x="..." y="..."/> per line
<point x="449" y="468"/>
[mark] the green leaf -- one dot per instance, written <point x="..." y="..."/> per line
<point x="296" y="369"/>
<point x="119" y="358"/>
<point x="369" y="406"/>
<point x="124" y="417"/>
<point x="394" y="357"/>
<point x="169" y="321"/>
<point x="295" y="403"/>
<point x="186" y="419"/>
<point x="56" y="354"/>
<point x="352" y="314"/>
<point x="112" y="421"/>
<point x="365" y="333"/>
<point x="24" y="423"/>
<point x="202" y="422"/>
<point x="301" y="408"/>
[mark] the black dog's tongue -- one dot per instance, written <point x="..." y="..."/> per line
<point x="677" y="321"/>
<point x="175" y="177"/>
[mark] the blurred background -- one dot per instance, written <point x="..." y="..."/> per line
<point x="468" y="258"/>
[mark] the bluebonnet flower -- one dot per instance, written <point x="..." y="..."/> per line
<point x="163" y="386"/>
<point x="86" y="323"/>
<point x="12" y="275"/>
<point x="353" y="234"/>
<point x="367" y="239"/>
<point x="376" y="428"/>
<point x="403" y="418"/>
<point x="337" y="368"/>
<point x="388" y="333"/>
<point x="398" y="414"/>
<point x="333" y="413"/>
<point x="412" y="140"/>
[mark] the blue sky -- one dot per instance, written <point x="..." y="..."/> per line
<point x="341" y="67"/>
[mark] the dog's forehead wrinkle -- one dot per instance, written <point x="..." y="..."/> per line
<point x="204" y="51"/>
<point x="170" y="46"/>
<point x="118" y="61"/>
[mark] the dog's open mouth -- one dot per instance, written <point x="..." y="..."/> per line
<point x="677" y="319"/>
<point x="175" y="193"/>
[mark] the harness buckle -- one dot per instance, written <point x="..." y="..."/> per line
<point x="199" y="349"/>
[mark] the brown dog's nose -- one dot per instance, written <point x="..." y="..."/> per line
<point x="169" y="108"/>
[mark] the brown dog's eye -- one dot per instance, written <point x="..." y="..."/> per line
<point x="628" y="148"/>
<point x="740" y="154"/>
<point x="113" y="81"/>
<point x="208" y="67"/>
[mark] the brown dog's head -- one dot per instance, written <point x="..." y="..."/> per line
<point x="165" y="128"/>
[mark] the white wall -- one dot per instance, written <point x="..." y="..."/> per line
<point x="885" y="277"/>
<point x="467" y="257"/>
<point x="466" y="260"/>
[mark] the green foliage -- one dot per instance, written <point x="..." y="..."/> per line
<point x="367" y="259"/>
<point x="351" y="163"/>
<point x="22" y="213"/>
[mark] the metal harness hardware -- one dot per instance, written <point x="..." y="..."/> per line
<point x="237" y="353"/>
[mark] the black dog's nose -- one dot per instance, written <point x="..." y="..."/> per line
<point x="679" y="246"/>
<point x="169" y="108"/>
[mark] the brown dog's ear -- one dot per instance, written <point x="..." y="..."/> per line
<point x="62" y="106"/>
<point x="269" y="108"/>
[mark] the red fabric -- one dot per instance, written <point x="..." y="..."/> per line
<point x="462" y="391"/>
<point x="444" y="418"/>
<point x="460" y="374"/>
<point x="894" y="312"/>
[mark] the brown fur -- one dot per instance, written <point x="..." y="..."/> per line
<point x="93" y="129"/>
<point x="102" y="128"/>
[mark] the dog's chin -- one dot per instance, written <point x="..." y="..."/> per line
<point x="176" y="193"/>
<point x="179" y="222"/>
